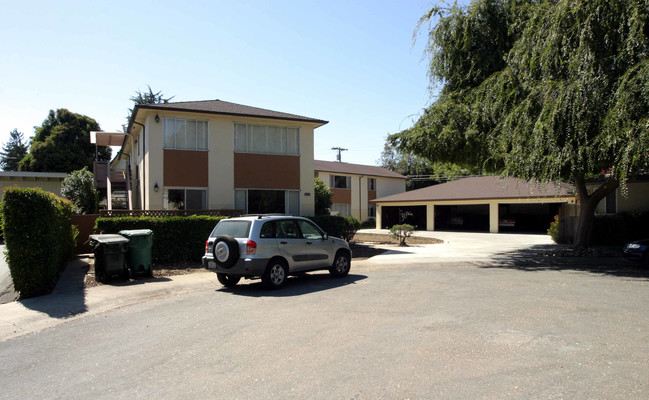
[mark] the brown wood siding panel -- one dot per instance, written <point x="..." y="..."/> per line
<point x="266" y="171"/>
<point x="341" y="196"/>
<point x="371" y="195"/>
<point x="186" y="168"/>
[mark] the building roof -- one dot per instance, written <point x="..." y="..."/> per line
<point x="483" y="188"/>
<point x="28" y="175"/>
<point x="225" y="108"/>
<point x="355" y="169"/>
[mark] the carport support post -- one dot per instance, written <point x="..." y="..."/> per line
<point x="430" y="217"/>
<point x="493" y="217"/>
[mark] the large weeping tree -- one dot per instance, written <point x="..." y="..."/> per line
<point x="556" y="90"/>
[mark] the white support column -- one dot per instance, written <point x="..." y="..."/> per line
<point x="493" y="217"/>
<point x="109" y="188"/>
<point x="378" y="216"/>
<point x="430" y="217"/>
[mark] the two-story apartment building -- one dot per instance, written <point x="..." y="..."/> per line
<point x="354" y="185"/>
<point x="218" y="155"/>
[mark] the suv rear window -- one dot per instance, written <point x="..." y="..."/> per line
<point x="236" y="229"/>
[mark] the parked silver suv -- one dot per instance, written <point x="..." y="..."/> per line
<point x="272" y="247"/>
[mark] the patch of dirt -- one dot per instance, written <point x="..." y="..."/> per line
<point x="159" y="271"/>
<point x="363" y="247"/>
<point x="375" y="238"/>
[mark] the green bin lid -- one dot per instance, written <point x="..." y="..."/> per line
<point x="136" y="232"/>
<point x="108" y="239"/>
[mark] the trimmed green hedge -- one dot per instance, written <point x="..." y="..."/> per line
<point x="341" y="227"/>
<point x="619" y="229"/>
<point x="39" y="236"/>
<point x="175" y="239"/>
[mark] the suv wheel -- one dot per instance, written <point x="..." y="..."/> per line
<point x="226" y="251"/>
<point x="341" y="265"/>
<point x="228" y="280"/>
<point x="275" y="275"/>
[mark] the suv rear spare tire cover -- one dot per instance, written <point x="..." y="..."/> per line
<point x="226" y="251"/>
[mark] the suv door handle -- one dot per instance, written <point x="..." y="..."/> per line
<point x="309" y="242"/>
<point x="283" y="242"/>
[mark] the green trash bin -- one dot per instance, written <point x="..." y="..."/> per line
<point x="110" y="256"/>
<point x="138" y="257"/>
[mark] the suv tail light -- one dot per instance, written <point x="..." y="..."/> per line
<point x="207" y="246"/>
<point x="251" y="247"/>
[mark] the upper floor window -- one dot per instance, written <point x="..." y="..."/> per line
<point x="341" y="182"/>
<point x="266" y="139"/>
<point x="185" y="134"/>
<point x="371" y="183"/>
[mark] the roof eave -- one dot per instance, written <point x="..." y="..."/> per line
<point x="317" y="122"/>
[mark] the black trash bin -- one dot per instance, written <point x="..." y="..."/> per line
<point x="110" y="256"/>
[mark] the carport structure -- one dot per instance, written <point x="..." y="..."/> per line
<point x="477" y="204"/>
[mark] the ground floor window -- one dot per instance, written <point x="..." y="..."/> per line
<point x="256" y="201"/>
<point x="344" y="210"/>
<point x="185" y="199"/>
<point x="371" y="211"/>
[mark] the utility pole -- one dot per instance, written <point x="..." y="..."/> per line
<point x="339" y="159"/>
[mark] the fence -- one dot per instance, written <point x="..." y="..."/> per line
<point x="168" y="213"/>
<point x="568" y="225"/>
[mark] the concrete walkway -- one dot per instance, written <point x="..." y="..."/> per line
<point x="70" y="301"/>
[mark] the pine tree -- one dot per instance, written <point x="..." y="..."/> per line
<point x="13" y="151"/>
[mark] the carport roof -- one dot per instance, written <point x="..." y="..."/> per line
<point x="483" y="188"/>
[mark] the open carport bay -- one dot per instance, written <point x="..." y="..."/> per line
<point x="533" y="218"/>
<point x="512" y="217"/>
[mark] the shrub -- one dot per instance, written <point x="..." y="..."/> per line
<point x="175" y="239"/>
<point x="322" y="197"/>
<point x="337" y="226"/>
<point x="39" y="236"/>
<point x="553" y="230"/>
<point x="619" y="229"/>
<point x="352" y="225"/>
<point x="79" y="188"/>
<point x="369" y="224"/>
<point x="402" y="232"/>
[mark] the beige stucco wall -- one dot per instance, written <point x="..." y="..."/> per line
<point x="635" y="200"/>
<point x="359" y="190"/>
<point x="220" y="193"/>
<point x="52" y="185"/>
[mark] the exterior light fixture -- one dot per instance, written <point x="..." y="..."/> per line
<point x="156" y="187"/>
<point x="157" y="118"/>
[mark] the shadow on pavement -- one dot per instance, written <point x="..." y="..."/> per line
<point x="551" y="258"/>
<point x="295" y="285"/>
<point x="68" y="298"/>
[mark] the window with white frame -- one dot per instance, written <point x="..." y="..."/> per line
<point x="266" y="139"/>
<point x="343" y="210"/>
<point x="255" y="201"/>
<point x="371" y="183"/>
<point x="340" y="182"/>
<point x="185" y="134"/>
<point x="185" y="199"/>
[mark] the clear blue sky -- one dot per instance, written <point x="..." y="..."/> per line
<point x="351" y="63"/>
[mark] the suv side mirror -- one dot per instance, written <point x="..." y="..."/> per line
<point x="325" y="236"/>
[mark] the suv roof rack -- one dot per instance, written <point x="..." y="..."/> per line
<point x="260" y="216"/>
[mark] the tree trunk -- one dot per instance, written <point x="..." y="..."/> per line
<point x="587" y="205"/>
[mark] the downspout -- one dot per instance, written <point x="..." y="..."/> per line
<point x="360" y="199"/>
<point x="144" y="187"/>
